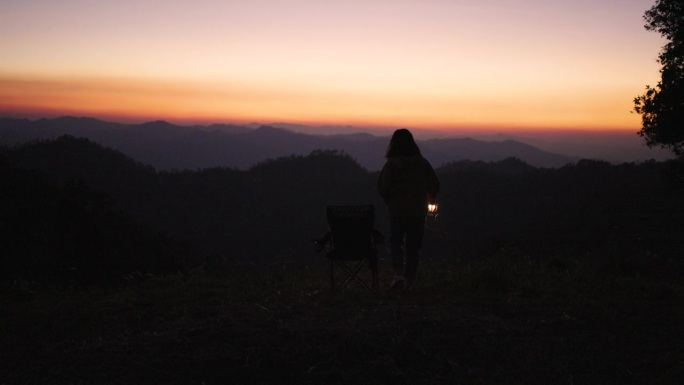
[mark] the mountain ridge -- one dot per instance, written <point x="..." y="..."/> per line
<point x="167" y="146"/>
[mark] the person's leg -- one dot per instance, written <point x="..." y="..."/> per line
<point x="415" y="228"/>
<point x="397" y="236"/>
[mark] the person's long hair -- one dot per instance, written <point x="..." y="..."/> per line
<point x="402" y="144"/>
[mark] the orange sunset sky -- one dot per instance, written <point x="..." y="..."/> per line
<point x="437" y="64"/>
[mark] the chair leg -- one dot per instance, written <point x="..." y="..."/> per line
<point x="352" y="275"/>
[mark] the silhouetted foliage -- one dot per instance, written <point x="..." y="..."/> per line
<point x="576" y="209"/>
<point x="662" y="107"/>
<point x="63" y="232"/>
<point x="271" y="211"/>
<point x="530" y="275"/>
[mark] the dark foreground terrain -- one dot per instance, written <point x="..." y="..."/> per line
<point x="505" y="319"/>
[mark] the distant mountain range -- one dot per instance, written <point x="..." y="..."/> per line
<point x="166" y="146"/>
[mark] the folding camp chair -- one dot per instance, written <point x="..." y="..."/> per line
<point x="351" y="245"/>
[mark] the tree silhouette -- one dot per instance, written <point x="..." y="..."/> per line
<point x="662" y="107"/>
<point x="60" y="231"/>
<point x="64" y="221"/>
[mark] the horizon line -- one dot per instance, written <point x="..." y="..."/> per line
<point x="351" y="128"/>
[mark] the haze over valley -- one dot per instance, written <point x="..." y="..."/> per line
<point x="167" y="146"/>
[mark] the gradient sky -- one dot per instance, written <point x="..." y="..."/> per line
<point x="444" y="64"/>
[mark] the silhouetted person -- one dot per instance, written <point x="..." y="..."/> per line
<point x="407" y="183"/>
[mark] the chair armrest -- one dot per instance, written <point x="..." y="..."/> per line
<point x="319" y="244"/>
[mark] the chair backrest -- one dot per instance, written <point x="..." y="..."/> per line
<point x="351" y="229"/>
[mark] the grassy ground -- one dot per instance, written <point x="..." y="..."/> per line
<point x="503" y="320"/>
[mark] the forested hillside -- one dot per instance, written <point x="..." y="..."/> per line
<point x="62" y="231"/>
<point x="70" y="205"/>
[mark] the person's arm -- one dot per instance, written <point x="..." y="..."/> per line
<point x="432" y="182"/>
<point x="384" y="183"/>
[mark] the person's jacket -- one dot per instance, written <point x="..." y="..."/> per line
<point x="407" y="184"/>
